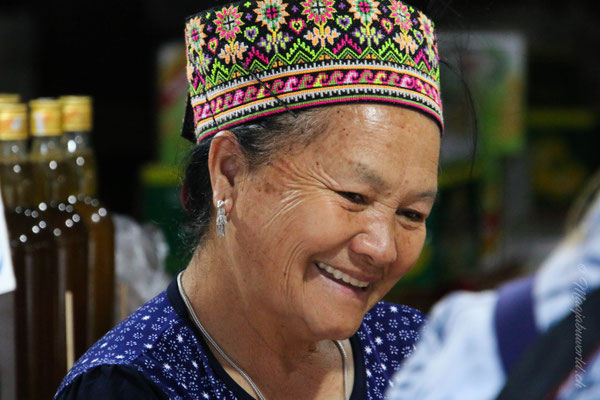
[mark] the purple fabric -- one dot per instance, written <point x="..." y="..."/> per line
<point x="514" y="321"/>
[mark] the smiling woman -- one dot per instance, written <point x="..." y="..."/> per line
<point x="311" y="205"/>
<point x="309" y="188"/>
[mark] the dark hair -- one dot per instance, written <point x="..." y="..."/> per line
<point x="259" y="140"/>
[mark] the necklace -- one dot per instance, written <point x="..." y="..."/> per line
<point x="260" y="396"/>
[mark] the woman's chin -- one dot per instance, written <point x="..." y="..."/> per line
<point x="343" y="333"/>
<point x="338" y="326"/>
<point x="336" y="315"/>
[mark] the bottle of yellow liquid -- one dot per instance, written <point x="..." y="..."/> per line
<point x="51" y="190"/>
<point x="39" y="344"/>
<point x="17" y="184"/>
<point x="77" y="125"/>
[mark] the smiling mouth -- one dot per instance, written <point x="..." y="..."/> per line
<point x="341" y="277"/>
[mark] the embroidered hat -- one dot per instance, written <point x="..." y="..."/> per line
<point x="252" y="59"/>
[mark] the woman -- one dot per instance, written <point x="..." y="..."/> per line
<point x="318" y="128"/>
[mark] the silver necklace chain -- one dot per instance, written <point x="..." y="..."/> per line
<point x="260" y="396"/>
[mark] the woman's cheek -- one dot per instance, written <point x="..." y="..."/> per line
<point x="413" y="248"/>
<point x="323" y="219"/>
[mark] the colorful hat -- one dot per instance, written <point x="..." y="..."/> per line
<point x="252" y="59"/>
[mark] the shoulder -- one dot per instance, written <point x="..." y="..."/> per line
<point x="389" y="317"/>
<point x="138" y="341"/>
<point x="111" y="382"/>
<point x="387" y="336"/>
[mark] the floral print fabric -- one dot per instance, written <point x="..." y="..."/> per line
<point x="160" y="342"/>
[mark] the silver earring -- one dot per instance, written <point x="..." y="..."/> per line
<point x="221" y="219"/>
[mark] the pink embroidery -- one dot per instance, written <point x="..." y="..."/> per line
<point x="346" y="41"/>
<point x="422" y="57"/>
<point x="351" y="77"/>
<point x="407" y="82"/>
<point x="228" y="100"/>
<point x="366" y="76"/>
<point x="277" y="86"/>
<point x="254" y="53"/>
<point x="394" y="80"/>
<point x="380" y="77"/>
<point x="239" y="97"/>
<point x="250" y="94"/>
<point x="291" y="84"/>
<point x="306" y="81"/>
<point x="322" y="76"/>
<point x="335" y="79"/>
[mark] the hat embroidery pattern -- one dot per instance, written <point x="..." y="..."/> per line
<point x="308" y="53"/>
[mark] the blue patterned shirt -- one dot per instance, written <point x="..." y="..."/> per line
<point x="157" y="352"/>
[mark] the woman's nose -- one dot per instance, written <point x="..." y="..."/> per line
<point x="377" y="241"/>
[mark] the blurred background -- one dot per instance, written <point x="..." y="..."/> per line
<point x="531" y="66"/>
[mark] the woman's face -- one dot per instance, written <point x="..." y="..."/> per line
<point x="321" y="233"/>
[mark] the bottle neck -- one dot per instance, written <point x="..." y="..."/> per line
<point x="46" y="147"/>
<point x="78" y="142"/>
<point x="15" y="175"/>
<point x="13" y="149"/>
<point x="82" y="163"/>
<point x="53" y="183"/>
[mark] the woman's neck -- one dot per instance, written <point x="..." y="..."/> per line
<point x="260" y="343"/>
<point x="223" y="306"/>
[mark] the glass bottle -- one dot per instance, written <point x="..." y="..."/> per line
<point x="77" y="125"/>
<point x="37" y="337"/>
<point x="15" y="170"/>
<point x="51" y="190"/>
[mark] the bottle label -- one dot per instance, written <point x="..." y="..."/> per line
<point x="77" y="117"/>
<point x="7" y="276"/>
<point x="46" y="121"/>
<point x="13" y="122"/>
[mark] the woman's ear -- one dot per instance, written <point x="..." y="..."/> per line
<point x="227" y="165"/>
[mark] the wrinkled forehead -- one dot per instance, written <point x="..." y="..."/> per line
<point x="378" y="143"/>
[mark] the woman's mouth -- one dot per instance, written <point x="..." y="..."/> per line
<point x="341" y="277"/>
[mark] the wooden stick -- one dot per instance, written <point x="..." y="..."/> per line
<point x="70" y="329"/>
<point x="124" y="301"/>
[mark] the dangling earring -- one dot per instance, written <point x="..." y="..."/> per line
<point x="221" y="219"/>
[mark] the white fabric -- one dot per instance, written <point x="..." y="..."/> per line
<point x="457" y="357"/>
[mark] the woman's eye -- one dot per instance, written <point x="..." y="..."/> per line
<point x="413" y="216"/>
<point x="353" y="197"/>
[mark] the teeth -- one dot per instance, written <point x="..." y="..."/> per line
<point x="342" y="276"/>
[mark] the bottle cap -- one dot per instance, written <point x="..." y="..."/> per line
<point x="77" y="113"/>
<point x="45" y="117"/>
<point x="13" y="121"/>
<point x="9" y="98"/>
